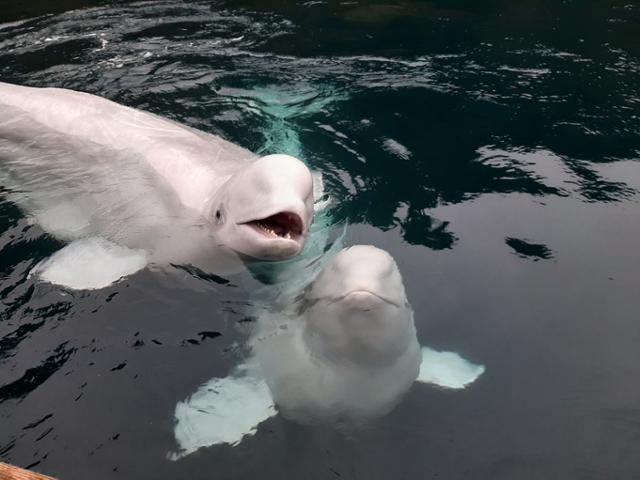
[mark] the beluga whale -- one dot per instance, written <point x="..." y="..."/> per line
<point x="127" y="188"/>
<point x="343" y="352"/>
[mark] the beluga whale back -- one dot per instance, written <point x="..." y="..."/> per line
<point x="94" y="172"/>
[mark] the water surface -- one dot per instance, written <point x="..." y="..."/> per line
<point x="491" y="148"/>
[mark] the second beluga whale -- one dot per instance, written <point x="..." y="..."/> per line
<point x="127" y="188"/>
<point x="343" y="351"/>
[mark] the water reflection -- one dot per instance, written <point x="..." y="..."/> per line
<point x="342" y="352"/>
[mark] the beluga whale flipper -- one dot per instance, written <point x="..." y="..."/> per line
<point x="144" y="188"/>
<point x="343" y="352"/>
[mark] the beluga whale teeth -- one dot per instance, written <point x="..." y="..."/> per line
<point x="286" y="225"/>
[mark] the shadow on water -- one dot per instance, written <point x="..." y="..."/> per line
<point x="502" y="136"/>
<point x="525" y="249"/>
<point x="36" y="376"/>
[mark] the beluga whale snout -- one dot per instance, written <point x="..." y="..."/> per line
<point x="359" y="272"/>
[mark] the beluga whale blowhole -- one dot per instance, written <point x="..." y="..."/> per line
<point x="107" y="177"/>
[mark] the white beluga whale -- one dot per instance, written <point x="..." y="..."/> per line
<point x="344" y="352"/>
<point x="128" y="188"/>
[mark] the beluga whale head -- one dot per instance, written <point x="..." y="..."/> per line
<point x="264" y="210"/>
<point x="350" y="351"/>
<point x="358" y="310"/>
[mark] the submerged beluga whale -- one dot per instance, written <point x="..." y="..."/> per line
<point x="128" y="188"/>
<point x="343" y="352"/>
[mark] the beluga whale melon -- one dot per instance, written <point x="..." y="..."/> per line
<point x="127" y="188"/>
<point x="343" y="352"/>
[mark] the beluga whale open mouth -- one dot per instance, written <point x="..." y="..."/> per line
<point x="287" y="225"/>
<point x="264" y="211"/>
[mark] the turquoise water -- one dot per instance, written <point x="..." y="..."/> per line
<point x="492" y="148"/>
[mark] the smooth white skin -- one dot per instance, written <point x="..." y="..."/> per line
<point x="249" y="195"/>
<point x="358" y="309"/>
<point x="178" y="176"/>
<point x="352" y="351"/>
<point x="75" y="265"/>
<point x="346" y="351"/>
<point x="222" y="411"/>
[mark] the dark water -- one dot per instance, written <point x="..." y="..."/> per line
<point x="492" y="147"/>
